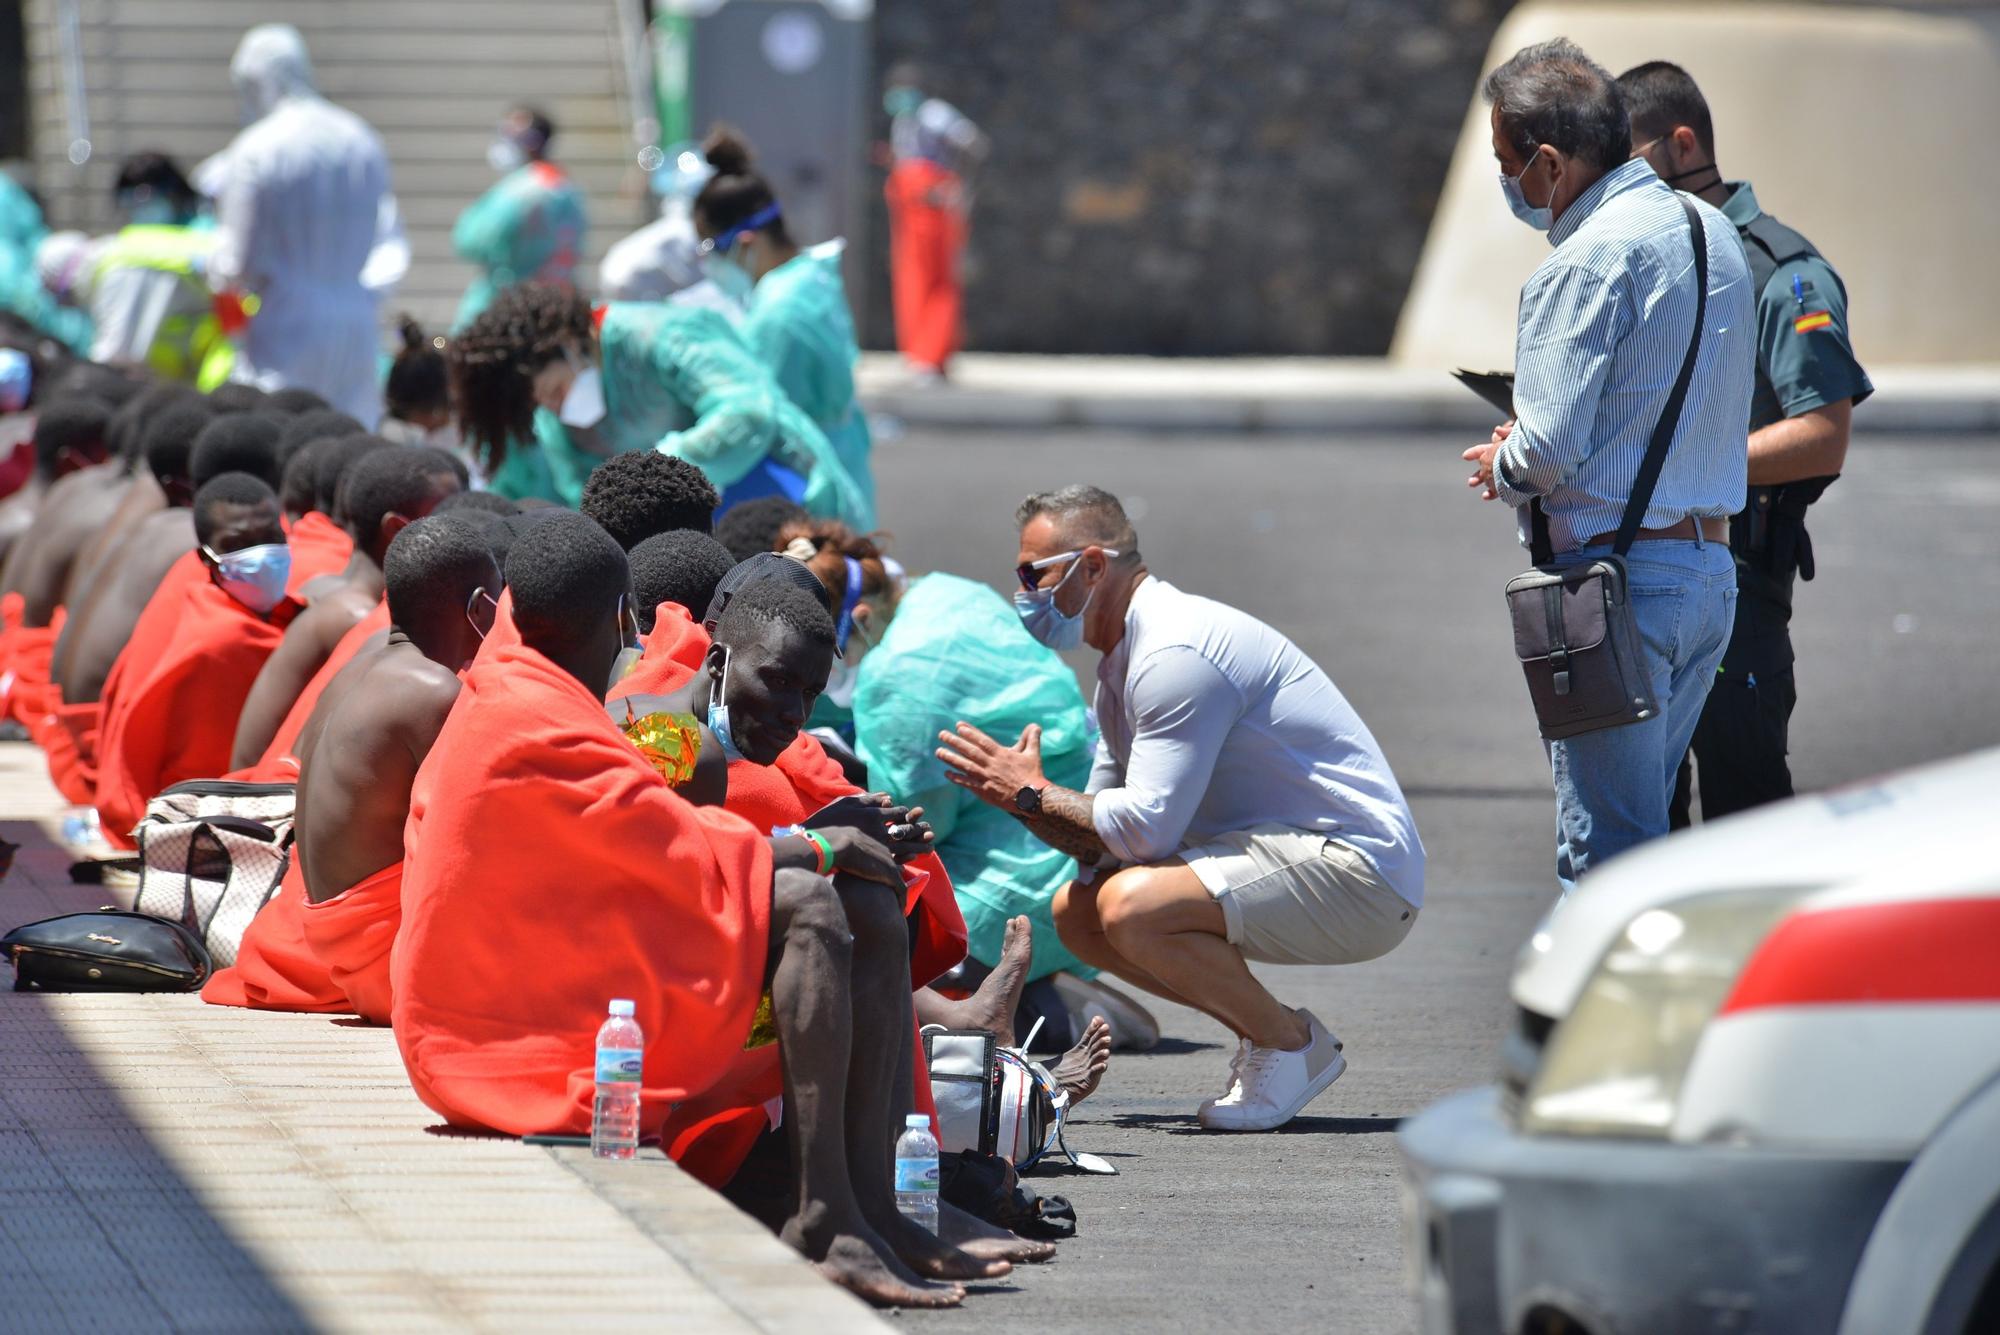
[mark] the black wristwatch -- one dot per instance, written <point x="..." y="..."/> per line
<point x="1029" y="801"/>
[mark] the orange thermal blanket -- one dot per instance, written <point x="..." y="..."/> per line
<point x="175" y="718"/>
<point x="548" y="870"/>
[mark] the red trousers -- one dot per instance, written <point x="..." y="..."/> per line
<point x="926" y="235"/>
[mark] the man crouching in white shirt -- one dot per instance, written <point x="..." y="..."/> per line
<point x="1238" y="808"/>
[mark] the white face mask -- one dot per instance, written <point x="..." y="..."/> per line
<point x="584" y="405"/>
<point x="504" y="155"/>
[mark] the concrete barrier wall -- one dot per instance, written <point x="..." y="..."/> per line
<point x="1871" y="130"/>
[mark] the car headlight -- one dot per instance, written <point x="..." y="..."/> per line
<point x="1614" y="1065"/>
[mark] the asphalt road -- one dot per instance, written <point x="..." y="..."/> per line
<point x="1371" y="554"/>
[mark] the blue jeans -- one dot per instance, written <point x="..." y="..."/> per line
<point x="1614" y="788"/>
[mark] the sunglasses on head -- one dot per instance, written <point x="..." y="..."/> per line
<point x="1030" y="572"/>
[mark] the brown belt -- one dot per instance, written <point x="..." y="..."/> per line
<point x="1712" y="530"/>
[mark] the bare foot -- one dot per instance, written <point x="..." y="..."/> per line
<point x="975" y="1237"/>
<point x="992" y="1006"/>
<point x="931" y="1256"/>
<point x="1083" y="1066"/>
<point x="861" y="1270"/>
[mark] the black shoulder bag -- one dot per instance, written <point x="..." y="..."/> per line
<point x="1574" y="631"/>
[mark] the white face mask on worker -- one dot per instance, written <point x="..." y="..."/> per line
<point x="584" y="405"/>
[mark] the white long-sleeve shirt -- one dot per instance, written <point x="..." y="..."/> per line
<point x="1213" y="722"/>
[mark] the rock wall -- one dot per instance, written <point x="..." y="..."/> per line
<point x="1192" y="177"/>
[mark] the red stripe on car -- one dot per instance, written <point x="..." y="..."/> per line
<point x="1935" y="950"/>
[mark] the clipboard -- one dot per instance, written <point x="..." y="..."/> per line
<point x="1496" y="387"/>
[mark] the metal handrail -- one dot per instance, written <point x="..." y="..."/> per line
<point x="76" y="103"/>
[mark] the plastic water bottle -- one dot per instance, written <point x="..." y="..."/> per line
<point x="917" y="1171"/>
<point x="621" y="1055"/>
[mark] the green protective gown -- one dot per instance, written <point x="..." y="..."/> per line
<point x="799" y="324"/>
<point x="679" y="379"/>
<point x="529" y="226"/>
<point x="527" y="473"/>
<point x="21" y="292"/>
<point x="956" y="651"/>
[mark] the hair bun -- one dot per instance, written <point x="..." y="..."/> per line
<point x="412" y="332"/>
<point x="727" y="151"/>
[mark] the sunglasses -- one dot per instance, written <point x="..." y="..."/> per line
<point x="1030" y="572"/>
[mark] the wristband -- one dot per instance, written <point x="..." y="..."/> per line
<point x="825" y="847"/>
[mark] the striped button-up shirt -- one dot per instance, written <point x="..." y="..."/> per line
<point x="1604" y="324"/>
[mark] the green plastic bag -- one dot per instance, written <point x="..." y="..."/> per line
<point x="956" y="652"/>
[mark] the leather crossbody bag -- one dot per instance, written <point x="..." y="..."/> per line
<point x="1574" y="630"/>
<point x="106" y="951"/>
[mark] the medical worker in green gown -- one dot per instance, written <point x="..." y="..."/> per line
<point x="527" y="228"/>
<point x="633" y="376"/>
<point x="796" y="316"/>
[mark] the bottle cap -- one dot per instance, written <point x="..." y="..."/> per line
<point x="622" y="1009"/>
<point x="916" y="1122"/>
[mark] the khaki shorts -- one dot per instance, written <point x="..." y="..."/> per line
<point x="1293" y="897"/>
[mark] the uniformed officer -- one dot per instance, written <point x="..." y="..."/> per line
<point x="1807" y="385"/>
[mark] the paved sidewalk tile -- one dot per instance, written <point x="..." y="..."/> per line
<point x="165" y="1164"/>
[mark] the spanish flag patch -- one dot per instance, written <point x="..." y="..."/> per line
<point x="1812" y="320"/>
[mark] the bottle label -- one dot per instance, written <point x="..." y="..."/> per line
<point x="916" y="1174"/>
<point x="620" y="1066"/>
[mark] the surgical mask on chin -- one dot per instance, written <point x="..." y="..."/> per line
<point x="584" y="405"/>
<point x="256" y="576"/>
<point x="840" y="683"/>
<point x="730" y="278"/>
<point x="1541" y="219"/>
<point x="718" y="715"/>
<point x="504" y="155"/>
<point x="621" y="666"/>
<point x="152" y="213"/>
<point x="1047" y="622"/>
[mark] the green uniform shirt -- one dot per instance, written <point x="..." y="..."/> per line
<point x="1805" y="359"/>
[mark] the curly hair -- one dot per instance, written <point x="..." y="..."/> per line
<point x="832" y="542"/>
<point x="493" y="362"/>
<point x="750" y="527"/>
<point x="640" y="494"/>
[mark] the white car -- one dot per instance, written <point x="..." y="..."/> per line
<point x="1754" y="1087"/>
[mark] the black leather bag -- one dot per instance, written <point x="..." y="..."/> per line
<point x="1574" y="631"/>
<point x="106" y="951"/>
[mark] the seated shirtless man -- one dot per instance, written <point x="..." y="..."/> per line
<point x="384" y="491"/>
<point x="360" y="750"/>
<point x="98" y="628"/>
<point x="533" y="808"/>
<point x="75" y="492"/>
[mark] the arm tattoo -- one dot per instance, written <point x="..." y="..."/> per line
<point x="1064" y="824"/>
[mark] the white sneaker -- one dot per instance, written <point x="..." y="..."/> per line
<point x="1276" y="1085"/>
<point x="1133" y="1028"/>
<point x="1235" y="1089"/>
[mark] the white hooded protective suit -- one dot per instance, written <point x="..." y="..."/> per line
<point x="303" y="195"/>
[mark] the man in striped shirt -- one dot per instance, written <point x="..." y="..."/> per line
<point x="1603" y="326"/>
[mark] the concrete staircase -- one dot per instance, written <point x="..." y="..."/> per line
<point x="432" y="77"/>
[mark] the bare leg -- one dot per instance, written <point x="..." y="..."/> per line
<point x="881" y="1072"/>
<point x="1082" y="929"/>
<point x="1164" y="920"/>
<point x="810" y="989"/>
<point x="992" y="1005"/>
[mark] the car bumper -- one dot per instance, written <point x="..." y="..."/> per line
<point x="1626" y="1237"/>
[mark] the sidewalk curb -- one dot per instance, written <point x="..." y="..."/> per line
<point x="1007" y="392"/>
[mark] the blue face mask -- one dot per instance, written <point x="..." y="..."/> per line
<point x="902" y="101"/>
<point x="1541" y="219"/>
<point x="256" y="576"/>
<point x="1047" y="622"/>
<point x="718" y="715"/>
<point x="152" y="213"/>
